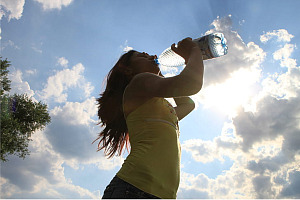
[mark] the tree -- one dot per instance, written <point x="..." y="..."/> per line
<point x="20" y="117"/>
<point x="5" y="82"/>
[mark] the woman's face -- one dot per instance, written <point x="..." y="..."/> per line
<point x="143" y="62"/>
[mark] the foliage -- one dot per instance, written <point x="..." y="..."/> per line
<point x="20" y="117"/>
<point x="4" y="81"/>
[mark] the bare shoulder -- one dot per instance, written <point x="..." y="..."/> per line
<point x="134" y="95"/>
<point x="144" y="77"/>
<point x="143" y="84"/>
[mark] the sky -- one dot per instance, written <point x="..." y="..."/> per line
<point x="241" y="141"/>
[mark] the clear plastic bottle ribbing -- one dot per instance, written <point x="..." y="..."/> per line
<point x="212" y="45"/>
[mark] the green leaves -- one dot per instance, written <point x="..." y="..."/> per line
<point x="20" y="118"/>
<point x="4" y="81"/>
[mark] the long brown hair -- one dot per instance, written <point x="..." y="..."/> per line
<point x="110" y="110"/>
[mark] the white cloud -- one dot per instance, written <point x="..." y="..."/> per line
<point x="36" y="49"/>
<point x="282" y="35"/>
<point x="169" y="71"/>
<point x="291" y="190"/>
<point x="58" y="84"/>
<point x="194" y="187"/>
<point x="202" y="151"/>
<point x="284" y="54"/>
<point x="66" y="141"/>
<point x="72" y="132"/>
<point x="77" y="113"/>
<point x="232" y="184"/>
<point x="87" y="88"/>
<point x="241" y="182"/>
<point x="264" y="146"/>
<point x="263" y="142"/>
<point x="12" y="9"/>
<point x="232" y="93"/>
<point x="54" y="4"/>
<point x="40" y="175"/>
<point x="125" y="47"/>
<point x="62" y="61"/>
<point x="31" y="72"/>
<point x="231" y="80"/>
<point x="18" y="85"/>
<point x="240" y="55"/>
<point x="283" y="86"/>
<point x="228" y="144"/>
<point x="9" y="43"/>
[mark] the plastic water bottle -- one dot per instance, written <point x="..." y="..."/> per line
<point x="212" y="46"/>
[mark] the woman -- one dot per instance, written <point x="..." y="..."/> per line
<point x="133" y="107"/>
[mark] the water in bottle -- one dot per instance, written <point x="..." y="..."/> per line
<point x="212" y="46"/>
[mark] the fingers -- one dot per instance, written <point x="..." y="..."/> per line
<point x="184" y="42"/>
<point x="188" y="39"/>
<point x="184" y="47"/>
<point x="173" y="47"/>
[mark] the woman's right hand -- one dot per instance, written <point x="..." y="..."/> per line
<point x="187" y="83"/>
<point x="184" y="48"/>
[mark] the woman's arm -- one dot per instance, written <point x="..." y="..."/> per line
<point x="185" y="105"/>
<point x="187" y="83"/>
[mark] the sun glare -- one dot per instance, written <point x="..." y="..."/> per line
<point x="228" y="96"/>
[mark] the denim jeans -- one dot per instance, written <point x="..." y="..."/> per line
<point x="119" y="189"/>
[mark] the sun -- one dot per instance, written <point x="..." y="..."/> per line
<point x="228" y="96"/>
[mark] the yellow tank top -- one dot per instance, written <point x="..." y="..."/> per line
<point x="153" y="164"/>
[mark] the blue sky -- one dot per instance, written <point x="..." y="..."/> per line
<point x="242" y="140"/>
